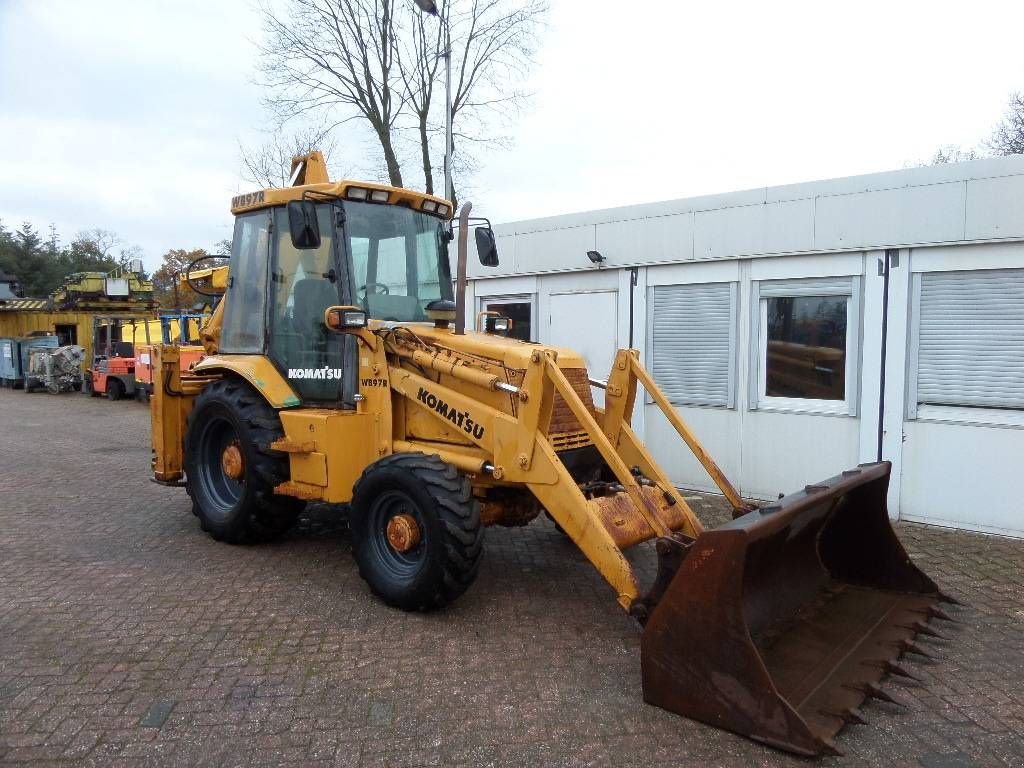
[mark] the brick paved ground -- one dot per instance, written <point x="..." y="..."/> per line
<point x="128" y="637"/>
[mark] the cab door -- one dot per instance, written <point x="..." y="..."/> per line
<point x="304" y="282"/>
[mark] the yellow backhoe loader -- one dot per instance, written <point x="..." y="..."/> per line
<point x="338" y="369"/>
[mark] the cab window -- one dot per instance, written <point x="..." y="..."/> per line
<point x="242" y="329"/>
<point x="399" y="260"/>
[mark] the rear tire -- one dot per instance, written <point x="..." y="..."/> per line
<point x="243" y="509"/>
<point x="446" y="559"/>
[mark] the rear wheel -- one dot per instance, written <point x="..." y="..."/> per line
<point x="416" y="532"/>
<point x="230" y="469"/>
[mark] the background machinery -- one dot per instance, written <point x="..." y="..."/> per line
<point x="55" y="369"/>
<point x="337" y="368"/>
<point x="179" y="328"/>
<point x="15" y="355"/>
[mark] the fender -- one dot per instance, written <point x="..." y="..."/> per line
<point x="258" y="371"/>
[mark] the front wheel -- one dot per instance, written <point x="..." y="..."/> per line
<point x="230" y="469"/>
<point x="115" y="389"/>
<point x="416" y="531"/>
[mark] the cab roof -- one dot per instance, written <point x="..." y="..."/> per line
<point x="310" y="180"/>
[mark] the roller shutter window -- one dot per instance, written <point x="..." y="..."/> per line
<point x="693" y="332"/>
<point x="970" y="338"/>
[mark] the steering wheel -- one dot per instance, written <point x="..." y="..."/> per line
<point x="378" y="289"/>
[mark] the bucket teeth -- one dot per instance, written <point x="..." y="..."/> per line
<point x="853" y="715"/>
<point x="893" y="668"/>
<point x="850" y="715"/>
<point x="925" y="629"/>
<point x="935" y="612"/>
<point x="877" y="692"/>
<point x="829" y="748"/>
<point x="921" y="628"/>
<point x="909" y="646"/>
<point x="872" y="691"/>
<point x="900" y="671"/>
<point x="943" y="597"/>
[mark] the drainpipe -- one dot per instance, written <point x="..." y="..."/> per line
<point x="632" y="290"/>
<point x="891" y="258"/>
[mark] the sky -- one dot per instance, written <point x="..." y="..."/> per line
<point x="128" y="115"/>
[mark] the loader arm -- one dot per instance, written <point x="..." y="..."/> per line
<point x="642" y="504"/>
<point x="776" y="626"/>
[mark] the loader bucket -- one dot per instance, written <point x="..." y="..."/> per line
<point x="780" y="623"/>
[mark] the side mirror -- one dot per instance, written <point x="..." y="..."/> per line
<point x="302" y="221"/>
<point x="486" y="247"/>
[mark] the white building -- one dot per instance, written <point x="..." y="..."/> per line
<point x="761" y="312"/>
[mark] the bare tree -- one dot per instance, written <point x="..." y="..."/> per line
<point x="1008" y="138"/>
<point x="270" y="165"/>
<point x="420" y="67"/>
<point x="952" y="153"/>
<point x="492" y="47"/>
<point x="380" y="62"/>
<point x="336" y="58"/>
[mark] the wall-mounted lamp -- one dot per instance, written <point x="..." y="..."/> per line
<point x="595" y="257"/>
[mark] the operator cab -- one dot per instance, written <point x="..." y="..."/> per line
<point x="289" y="263"/>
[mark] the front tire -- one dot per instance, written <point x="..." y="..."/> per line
<point x="447" y="545"/>
<point x="230" y="469"/>
<point x="115" y="389"/>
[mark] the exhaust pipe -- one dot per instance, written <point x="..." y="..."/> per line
<point x="460" y="284"/>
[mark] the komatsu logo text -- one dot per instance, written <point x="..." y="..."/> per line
<point x="314" y="373"/>
<point x="459" y="418"/>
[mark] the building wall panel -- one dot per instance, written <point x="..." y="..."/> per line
<point x="925" y="214"/>
<point x="779" y="227"/>
<point x="640" y="241"/>
<point x="963" y="476"/>
<point x="994" y="208"/>
<point x="554" y="250"/>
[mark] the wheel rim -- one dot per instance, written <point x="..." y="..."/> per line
<point x="391" y="509"/>
<point x="217" y="440"/>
